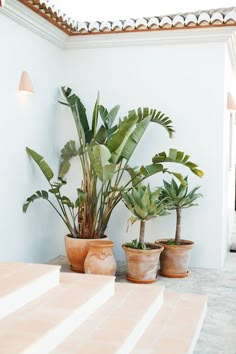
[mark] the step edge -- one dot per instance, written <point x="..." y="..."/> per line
<point x="28" y="292"/>
<point x="142" y="325"/>
<point x="198" y="329"/>
<point x="49" y="341"/>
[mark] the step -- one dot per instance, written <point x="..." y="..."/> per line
<point x="118" y="325"/>
<point x="23" y="282"/>
<point x="41" y="325"/>
<point x="176" y="327"/>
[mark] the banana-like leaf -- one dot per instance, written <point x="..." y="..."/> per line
<point x="33" y="197"/>
<point x="44" y="167"/>
<point x="134" y="173"/>
<point x="95" y="116"/>
<point x="177" y="157"/>
<point x="118" y="140"/>
<point x="69" y="150"/>
<point x="99" y="156"/>
<point x="152" y="169"/>
<point x="108" y="117"/>
<point x="79" y="114"/>
<point x="157" y="117"/>
<point x="66" y="201"/>
<point x="111" y="116"/>
<point x="134" y="138"/>
<point x="103" y="113"/>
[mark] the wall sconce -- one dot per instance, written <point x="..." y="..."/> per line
<point x="25" y="83"/>
<point x="231" y="102"/>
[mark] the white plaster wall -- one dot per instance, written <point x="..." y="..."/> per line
<point x="229" y="156"/>
<point x="186" y="82"/>
<point x="27" y="121"/>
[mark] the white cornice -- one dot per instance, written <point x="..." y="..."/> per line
<point x="167" y="37"/>
<point x="221" y="34"/>
<point x="29" y="19"/>
<point x="231" y="46"/>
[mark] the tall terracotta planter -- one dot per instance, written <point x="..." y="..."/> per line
<point x="174" y="260"/>
<point x="77" y="250"/>
<point x="100" y="258"/>
<point x="142" y="265"/>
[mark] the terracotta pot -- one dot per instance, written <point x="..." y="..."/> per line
<point x="142" y="265"/>
<point x="77" y="250"/>
<point x="100" y="258"/>
<point x="174" y="260"/>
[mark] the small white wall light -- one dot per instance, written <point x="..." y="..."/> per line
<point x="25" y="83"/>
<point x="2" y="3"/>
<point x="231" y="102"/>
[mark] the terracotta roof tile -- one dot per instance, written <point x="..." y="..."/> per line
<point x="213" y="17"/>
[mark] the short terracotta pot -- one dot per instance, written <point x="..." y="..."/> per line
<point x="174" y="260"/>
<point x="142" y="265"/>
<point x="100" y="258"/>
<point x="77" y="250"/>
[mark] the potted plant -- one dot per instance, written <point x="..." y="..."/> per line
<point x="174" y="259"/>
<point x="142" y="257"/>
<point x="104" y="149"/>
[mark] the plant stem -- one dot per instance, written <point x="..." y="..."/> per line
<point x="178" y="226"/>
<point x="141" y="232"/>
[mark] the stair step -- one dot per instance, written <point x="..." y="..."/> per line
<point x="41" y="325"/>
<point x="118" y="325"/>
<point x="175" y="329"/>
<point x="23" y="282"/>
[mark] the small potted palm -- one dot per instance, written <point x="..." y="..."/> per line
<point x="174" y="259"/>
<point x="143" y="257"/>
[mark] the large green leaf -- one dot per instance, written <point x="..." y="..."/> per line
<point x="33" y="197"/>
<point x="157" y="117"/>
<point x="79" y="114"/>
<point x="108" y="117"/>
<point x="95" y="116"/>
<point x="68" y="151"/>
<point x="118" y="140"/>
<point x="152" y="169"/>
<point x="177" y="157"/>
<point x="135" y="175"/>
<point x="134" y="138"/>
<point x="99" y="156"/>
<point x="111" y="116"/>
<point x="44" y="167"/>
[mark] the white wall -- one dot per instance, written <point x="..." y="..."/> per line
<point x="27" y="121"/>
<point x="186" y="82"/>
<point x="229" y="156"/>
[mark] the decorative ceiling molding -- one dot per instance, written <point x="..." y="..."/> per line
<point x="199" y="19"/>
<point x="203" y="35"/>
<point x="21" y="14"/>
<point x="231" y="46"/>
<point x="24" y="16"/>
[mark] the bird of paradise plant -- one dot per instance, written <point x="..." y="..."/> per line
<point x="104" y="149"/>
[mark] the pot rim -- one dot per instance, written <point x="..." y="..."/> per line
<point x="157" y="247"/>
<point x="187" y="243"/>
<point x="101" y="243"/>
<point x="86" y="238"/>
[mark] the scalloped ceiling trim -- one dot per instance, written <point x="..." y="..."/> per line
<point x="206" y="18"/>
